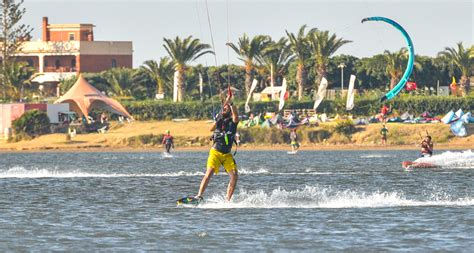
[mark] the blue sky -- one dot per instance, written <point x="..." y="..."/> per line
<point x="432" y="25"/>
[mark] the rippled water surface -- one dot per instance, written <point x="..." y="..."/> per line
<point x="312" y="201"/>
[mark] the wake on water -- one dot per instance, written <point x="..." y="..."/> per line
<point x="448" y="159"/>
<point x="316" y="197"/>
<point x="20" y="172"/>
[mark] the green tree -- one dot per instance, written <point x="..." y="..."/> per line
<point x="13" y="34"/>
<point x="18" y="76"/>
<point x="299" y="45"/>
<point x="121" y="81"/>
<point x="249" y="50"/>
<point x="334" y="72"/>
<point x="396" y="63"/>
<point x="323" y="45"/>
<point x="276" y="56"/>
<point x="66" y="83"/>
<point x="371" y="71"/>
<point x="183" y="52"/>
<point x="463" y="59"/>
<point x="161" y="73"/>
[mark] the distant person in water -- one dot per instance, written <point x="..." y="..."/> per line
<point x="168" y="141"/>
<point x="383" y="135"/>
<point x="294" y="141"/>
<point x="224" y="130"/>
<point x="426" y="147"/>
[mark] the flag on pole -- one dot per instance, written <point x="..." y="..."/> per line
<point x="252" y="88"/>
<point x="350" y="94"/>
<point x="175" y="86"/>
<point x="321" y="93"/>
<point x="282" y="95"/>
<point x="200" y="84"/>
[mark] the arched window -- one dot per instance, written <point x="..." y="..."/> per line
<point x="114" y="63"/>
<point x="57" y="64"/>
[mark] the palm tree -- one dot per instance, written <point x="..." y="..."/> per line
<point x="182" y="52"/>
<point x="160" y="73"/>
<point x="249" y="50"/>
<point x="463" y="58"/>
<point x="17" y="78"/>
<point x="121" y="81"/>
<point x="395" y="64"/>
<point x="299" y="45"/>
<point x="275" y="58"/>
<point x="323" y="45"/>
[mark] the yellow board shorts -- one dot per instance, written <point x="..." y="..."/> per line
<point x="217" y="159"/>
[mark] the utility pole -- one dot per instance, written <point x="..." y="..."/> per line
<point x="342" y="66"/>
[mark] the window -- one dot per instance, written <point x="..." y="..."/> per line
<point x="45" y="63"/>
<point x="57" y="64"/>
<point x="71" y="36"/>
<point x="30" y="62"/>
<point x="114" y="63"/>
<point x="73" y="63"/>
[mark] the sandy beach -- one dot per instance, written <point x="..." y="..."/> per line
<point x="193" y="135"/>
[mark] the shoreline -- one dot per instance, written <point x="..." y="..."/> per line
<point x="194" y="136"/>
<point x="246" y="148"/>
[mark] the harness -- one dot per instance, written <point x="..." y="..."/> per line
<point x="223" y="132"/>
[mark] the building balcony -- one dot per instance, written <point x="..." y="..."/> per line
<point x="60" y="69"/>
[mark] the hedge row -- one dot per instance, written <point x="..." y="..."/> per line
<point x="196" y="110"/>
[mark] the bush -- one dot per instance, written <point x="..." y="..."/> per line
<point x="197" y="110"/>
<point x="30" y="124"/>
<point x="345" y="127"/>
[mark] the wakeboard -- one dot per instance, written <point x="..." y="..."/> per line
<point x="167" y="155"/>
<point x="190" y="200"/>
<point x="418" y="165"/>
<point x="292" y="152"/>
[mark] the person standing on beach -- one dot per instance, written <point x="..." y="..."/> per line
<point x="383" y="135"/>
<point x="167" y="141"/>
<point x="224" y="130"/>
<point x="384" y="112"/>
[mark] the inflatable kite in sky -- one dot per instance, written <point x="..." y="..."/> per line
<point x="411" y="57"/>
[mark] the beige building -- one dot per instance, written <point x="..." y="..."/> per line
<point x="68" y="49"/>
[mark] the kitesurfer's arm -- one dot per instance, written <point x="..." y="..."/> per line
<point x="235" y="113"/>
<point x="213" y="127"/>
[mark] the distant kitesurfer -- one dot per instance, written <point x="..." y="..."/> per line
<point x="426" y="146"/>
<point x="224" y="130"/>
<point x="294" y="141"/>
<point x="383" y="134"/>
<point x="168" y="141"/>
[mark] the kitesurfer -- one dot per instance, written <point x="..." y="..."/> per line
<point x="294" y="141"/>
<point x="168" y="141"/>
<point x="426" y="147"/>
<point x="224" y="130"/>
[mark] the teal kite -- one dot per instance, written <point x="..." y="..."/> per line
<point x="411" y="57"/>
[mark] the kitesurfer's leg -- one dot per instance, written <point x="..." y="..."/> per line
<point x="234" y="175"/>
<point x="205" y="181"/>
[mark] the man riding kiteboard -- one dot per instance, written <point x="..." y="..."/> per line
<point x="224" y="130"/>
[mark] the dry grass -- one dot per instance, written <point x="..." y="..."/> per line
<point x="139" y="135"/>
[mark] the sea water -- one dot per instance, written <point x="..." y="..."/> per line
<point x="312" y="201"/>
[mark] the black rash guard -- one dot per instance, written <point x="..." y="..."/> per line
<point x="224" y="135"/>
